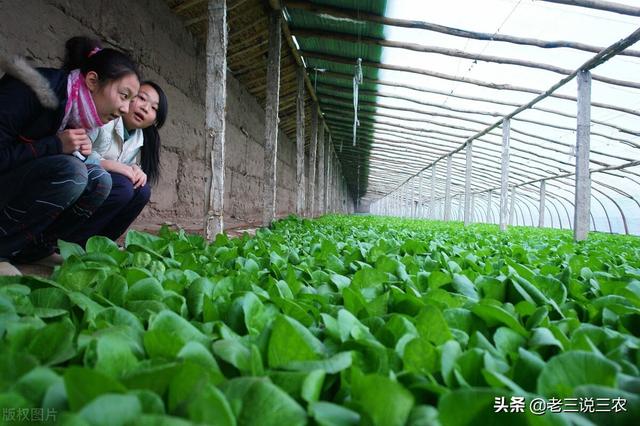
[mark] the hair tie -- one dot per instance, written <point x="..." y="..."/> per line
<point x="94" y="51"/>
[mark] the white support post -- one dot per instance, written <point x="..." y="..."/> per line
<point x="433" y="192"/>
<point x="512" y="207"/>
<point x="489" y="206"/>
<point x="447" y="191"/>
<point x="542" y="201"/>
<point x="583" y="178"/>
<point x="420" y="209"/>
<point x="300" y="181"/>
<point x="413" y="199"/>
<point x="467" y="185"/>
<point x="504" y="179"/>
<point x="215" y="107"/>
<point x="271" y="117"/>
<point x="473" y="208"/>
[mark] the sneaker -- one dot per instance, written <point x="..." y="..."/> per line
<point x="50" y="261"/>
<point x="8" y="269"/>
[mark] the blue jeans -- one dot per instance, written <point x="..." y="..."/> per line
<point x="45" y="200"/>
<point x="119" y="210"/>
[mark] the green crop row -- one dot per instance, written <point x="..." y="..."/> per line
<point x="337" y="321"/>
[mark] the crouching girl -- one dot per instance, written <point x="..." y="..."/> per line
<point x="129" y="149"/>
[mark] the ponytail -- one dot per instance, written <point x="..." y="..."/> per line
<point x="150" y="151"/>
<point x="87" y="54"/>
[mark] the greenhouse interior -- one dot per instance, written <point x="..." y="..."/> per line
<point x="320" y="212"/>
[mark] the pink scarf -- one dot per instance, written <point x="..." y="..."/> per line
<point x="80" y="111"/>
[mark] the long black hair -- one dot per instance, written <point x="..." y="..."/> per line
<point x="150" y="151"/>
<point x="87" y="54"/>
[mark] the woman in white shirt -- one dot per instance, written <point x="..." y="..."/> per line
<point x="129" y="149"/>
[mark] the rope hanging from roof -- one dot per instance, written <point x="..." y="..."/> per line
<point x="357" y="81"/>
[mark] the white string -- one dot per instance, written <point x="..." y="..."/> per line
<point x="357" y="80"/>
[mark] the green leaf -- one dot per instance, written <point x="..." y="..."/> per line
<point x="340" y="281"/>
<point x="508" y="341"/>
<point x="84" y="385"/>
<point x="329" y="414"/>
<point x="109" y="409"/>
<point x="463" y="285"/>
<point x="258" y="402"/>
<point x="368" y="278"/>
<point x="212" y="408"/>
<point x="312" y="385"/>
<point x="152" y="376"/>
<point x="291" y="341"/>
<point x="198" y="290"/>
<point x="382" y="400"/>
<point x="420" y="356"/>
<point x="69" y="249"/>
<point x="463" y="407"/>
<point x="335" y="364"/>
<point x="114" y="356"/>
<point x="198" y="354"/>
<point x="35" y="384"/>
<point x="114" y="289"/>
<point x="146" y="289"/>
<point x="551" y="287"/>
<point x="492" y="314"/>
<point x="233" y="352"/>
<point x="168" y="333"/>
<point x="186" y="384"/>
<point x="432" y="326"/>
<point x="544" y="337"/>
<point x="53" y="343"/>
<point x="438" y="279"/>
<point x="568" y="370"/>
<point x="100" y="244"/>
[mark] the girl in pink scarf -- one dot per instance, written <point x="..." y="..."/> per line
<point x="44" y="117"/>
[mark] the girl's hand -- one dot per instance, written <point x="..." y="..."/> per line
<point x="139" y="177"/>
<point x="118" y="167"/>
<point x="75" y="140"/>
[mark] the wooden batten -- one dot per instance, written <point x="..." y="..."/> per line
<point x="271" y="119"/>
<point x="215" y="107"/>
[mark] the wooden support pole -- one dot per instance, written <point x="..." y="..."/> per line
<point x="542" y="202"/>
<point x="608" y="6"/>
<point x="300" y="180"/>
<point x="504" y="178"/>
<point x="360" y="15"/>
<point x="271" y="118"/>
<point x="467" y="185"/>
<point x="351" y="38"/>
<point x="215" y="108"/>
<point x="312" y="160"/>
<point x="329" y="156"/>
<point x="583" y="178"/>
<point x="447" y="191"/>
<point x="320" y="177"/>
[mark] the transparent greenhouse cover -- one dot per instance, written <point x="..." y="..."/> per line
<point x="537" y="151"/>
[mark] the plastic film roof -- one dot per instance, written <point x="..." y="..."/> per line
<point x="413" y="107"/>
